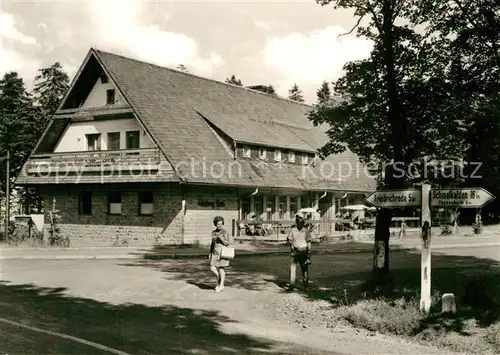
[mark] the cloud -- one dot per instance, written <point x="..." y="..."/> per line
<point x="264" y="25"/>
<point x="17" y="49"/>
<point x="310" y="59"/>
<point x="8" y="30"/>
<point x="118" y="26"/>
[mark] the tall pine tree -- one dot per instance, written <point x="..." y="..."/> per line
<point x="50" y="86"/>
<point x="324" y="95"/>
<point x="19" y="124"/>
<point x="295" y="94"/>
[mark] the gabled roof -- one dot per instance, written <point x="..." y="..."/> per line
<point x="174" y="108"/>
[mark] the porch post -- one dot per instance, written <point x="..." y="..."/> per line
<point x="264" y="207"/>
<point x="276" y="215"/>
<point x="239" y="204"/>
<point x="183" y="214"/>
<point x="252" y="205"/>
<point x="287" y="211"/>
<point x="334" y="205"/>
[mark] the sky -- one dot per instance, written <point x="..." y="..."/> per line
<point x="261" y="42"/>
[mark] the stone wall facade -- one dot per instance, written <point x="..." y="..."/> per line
<point x="163" y="227"/>
<point x="168" y="225"/>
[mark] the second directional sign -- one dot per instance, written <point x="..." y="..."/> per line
<point x="463" y="198"/>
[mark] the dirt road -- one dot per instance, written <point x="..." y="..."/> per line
<point x="139" y="308"/>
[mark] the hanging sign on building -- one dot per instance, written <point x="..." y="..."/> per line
<point x="212" y="202"/>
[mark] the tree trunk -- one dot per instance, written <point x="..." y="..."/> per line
<point x="397" y="137"/>
<point x="381" y="250"/>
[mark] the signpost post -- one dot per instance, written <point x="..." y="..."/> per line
<point x="427" y="198"/>
<point x="425" y="252"/>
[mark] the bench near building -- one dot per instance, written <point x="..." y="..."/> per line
<point x="139" y="154"/>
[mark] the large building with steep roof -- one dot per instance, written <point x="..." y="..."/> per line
<point x="142" y="154"/>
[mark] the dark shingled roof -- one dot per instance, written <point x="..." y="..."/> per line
<point x="176" y="109"/>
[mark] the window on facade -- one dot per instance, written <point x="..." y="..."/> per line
<point x="85" y="202"/>
<point x="277" y="155"/>
<point x="291" y="157"/>
<point x="114" y="202"/>
<point x="282" y="207"/>
<point x="110" y="97"/>
<point x="114" y="141"/>
<point x="245" y="208"/>
<point x="258" y="206"/>
<point x="262" y="153"/>
<point x="305" y="201"/>
<point x="305" y="159"/>
<point x="93" y="141"/>
<point x="145" y="203"/>
<point x="247" y="152"/>
<point x="104" y="78"/>
<point x="133" y="139"/>
<point x="270" y="208"/>
<point x="293" y="206"/>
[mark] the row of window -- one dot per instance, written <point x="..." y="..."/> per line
<point x="267" y="210"/>
<point x="278" y="156"/>
<point x="144" y="203"/>
<point x="132" y="140"/>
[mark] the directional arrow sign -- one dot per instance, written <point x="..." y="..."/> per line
<point x="463" y="198"/>
<point x="395" y="198"/>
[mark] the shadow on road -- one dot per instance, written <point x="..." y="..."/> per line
<point x="132" y="328"/>
<point x="341" y="279"/>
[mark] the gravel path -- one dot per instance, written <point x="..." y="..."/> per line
<point x="291" y="323"/>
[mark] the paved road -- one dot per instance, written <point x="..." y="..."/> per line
<point x="168" y="306"/>
<point x="478" y="246"/>
<point x="438" y="242"/>
<point x="489" y="252"/>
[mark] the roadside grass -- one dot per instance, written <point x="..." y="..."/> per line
<point x="473" y="329"/>
<point x="403" y="318"/>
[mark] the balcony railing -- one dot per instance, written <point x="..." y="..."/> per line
<point x="79" y="114"/>
<point x="94" y="161"/>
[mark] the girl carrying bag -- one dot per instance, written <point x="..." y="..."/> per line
<point x="227" y="253"/>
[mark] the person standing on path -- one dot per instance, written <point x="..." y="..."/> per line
<point x="220" y="238"/>
<point x="299" y="239"/>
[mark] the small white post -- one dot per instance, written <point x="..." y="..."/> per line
<point x="448" y="303"/>
<point x="425" y="292"/>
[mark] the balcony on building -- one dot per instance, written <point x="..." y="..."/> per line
<point x="145" y="159"/>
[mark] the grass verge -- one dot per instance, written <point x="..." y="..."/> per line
<point x="472" y="330"/>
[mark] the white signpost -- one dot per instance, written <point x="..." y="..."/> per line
<point x="425" y="252"/>
<point x="427" y="198"/>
